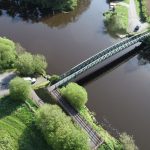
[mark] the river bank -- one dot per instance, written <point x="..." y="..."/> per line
<point x="6" y="78"/>
<point x="125" y="88"/>
<point x="143" y="7"/>
<point x="126" y="17"/>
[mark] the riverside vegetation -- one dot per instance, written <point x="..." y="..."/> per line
<point x="119" y="19"/>
<point x="141" y="7"/>
<point x="47" y="127"/>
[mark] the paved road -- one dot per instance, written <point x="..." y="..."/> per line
<point x="5" y="78"/>
<point x="134" y="19"/>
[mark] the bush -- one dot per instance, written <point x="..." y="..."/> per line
<point x="19" y="89"/>
<point x="54" y="78"/>
<point x="119" y="20"/>
<point x="39" y="64"/>
<point x="7" y="53"/>
<point x="128" y="142"/>
<point x="58" y="130"/>
<point x="28" y="64"/>
<point x="24" y="64"/>
<point x="75" y="94"/>
<point x="6" y="141"/>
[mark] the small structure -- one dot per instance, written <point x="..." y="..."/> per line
<point x="112" y="6"/>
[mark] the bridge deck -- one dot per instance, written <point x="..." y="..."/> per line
<point x="95" y="139"/>
<point x="98" y="58"/>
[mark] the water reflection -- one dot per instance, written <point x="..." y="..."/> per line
<point x="24" y="10"/>
<point x="62" y="19"/>
<point x="144" y="56"/>
<point x="32" y="13"/>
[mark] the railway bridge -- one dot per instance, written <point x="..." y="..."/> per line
<point x="95" y="138"/>
<point x="101" y="56"/>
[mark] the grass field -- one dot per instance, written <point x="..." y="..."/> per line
<point x="119" y="20"/>
<point x="17" y="127"/>
<point x="110" y="142"/>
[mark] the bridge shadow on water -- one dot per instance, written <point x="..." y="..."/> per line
<point x="104" y="69"/>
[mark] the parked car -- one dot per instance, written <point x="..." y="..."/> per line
<point x="136" y="28"/>
<point x="31" y="80"/>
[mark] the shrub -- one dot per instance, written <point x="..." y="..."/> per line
<point x="128" y="142"/>
<point x="24" y="64"/>
<point x="7" y="53"/>
<point x="39" y="64"/>
<point x="75" y="94"/>
<point x="19" y="89"/>
<point x="6" y="141"/>
<point x="28" y="64"/>
<point x="58" y="129"/>
<point x="54" y="78"/>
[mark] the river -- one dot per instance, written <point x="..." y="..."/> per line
<point x="119" y="97"/>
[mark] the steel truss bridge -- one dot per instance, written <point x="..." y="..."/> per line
<point x="95" y="139"/>
<point x="98" y="58"/>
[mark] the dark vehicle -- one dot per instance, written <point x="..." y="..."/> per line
<point x="136" y="28"/>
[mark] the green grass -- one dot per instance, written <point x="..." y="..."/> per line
<point x="40" y="85"/>
<point x="17" y="127"/>
<point x="110" y="142"/>
<point x="119" y="20"/>
<point x="127" y="1"/>
<point x="142" y="10"/>
<point x="122" y="13"/>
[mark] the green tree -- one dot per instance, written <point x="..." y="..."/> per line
<point x="7" y="53"/>
<point x="75" y="94"/>
<point x="28" y="64"/>
<point x="54" y="78"/>
<point x="128" y="142"/>
<point x="24" y="64"/>
<point x="59" y="131"/>
<point x="19" y="89"/>
<point x="7" y="142"/>
<point x="39" y="64"/>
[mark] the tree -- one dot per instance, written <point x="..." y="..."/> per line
<point x="7" y="53"/>
<point x="128" y="142"/>
<point x="118" y="25"/>
<point x="19" y="89"/>
<point x="6" y="140"/>
<point x="28" y="64"/>
<point x="24" y="64"/>
<point x="58" y="129"/>
<point x="39" y="64"/>
<point x="75" y="94"/>
<point x="54" y="78"/>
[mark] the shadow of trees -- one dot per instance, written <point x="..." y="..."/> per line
<point x="144" y="56"/>
<point x="141" y="12"/>
<point x="7" y="106"/>
<point x="34" y="13"/>
<point x="32" y="139"/>
<point x="62" y="19"/>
